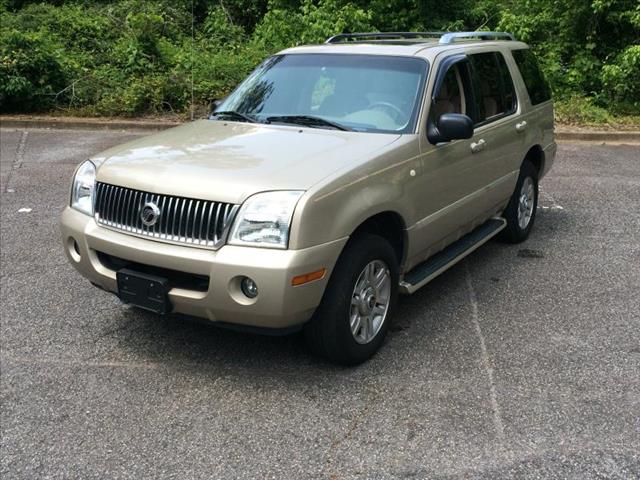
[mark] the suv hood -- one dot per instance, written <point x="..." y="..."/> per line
<point x="229" y="161"/>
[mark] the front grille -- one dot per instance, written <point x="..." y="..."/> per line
<point x="178" y="220"/>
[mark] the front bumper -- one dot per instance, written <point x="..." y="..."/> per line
<point x="278" y="304"/>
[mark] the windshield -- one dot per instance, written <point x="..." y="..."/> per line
<point x="369" y="93"/>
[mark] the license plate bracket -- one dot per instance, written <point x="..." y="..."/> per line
<point x="149" y="292"/>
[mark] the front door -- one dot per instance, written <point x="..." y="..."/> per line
<point x="464" y="181"/>
<point x="452" y="175"/>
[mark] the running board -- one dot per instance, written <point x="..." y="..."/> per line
<point x="423" y="273"/>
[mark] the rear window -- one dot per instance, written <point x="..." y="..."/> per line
<point x="533" y="77"/>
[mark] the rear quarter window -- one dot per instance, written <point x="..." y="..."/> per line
<point x="532" y="75"/>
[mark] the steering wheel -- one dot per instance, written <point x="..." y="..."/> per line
<point x="396" y="113"/>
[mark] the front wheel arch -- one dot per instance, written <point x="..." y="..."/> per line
<point x="328" y="333"/>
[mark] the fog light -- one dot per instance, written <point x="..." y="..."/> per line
<point x="249" y="287"/>
<point x="74" y="249"/>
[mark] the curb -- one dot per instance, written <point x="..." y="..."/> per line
<point x="617" y="137"/>
<point x="84" y="123"/>
<point x="7" y="121"/>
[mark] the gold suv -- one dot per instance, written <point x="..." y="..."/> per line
<point x="333" y="178"/>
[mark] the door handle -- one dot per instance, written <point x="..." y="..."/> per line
<point x="478" y="146"/>
<point x="521" y="127"/>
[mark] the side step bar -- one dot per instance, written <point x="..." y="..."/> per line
<point x="423" y="273"/>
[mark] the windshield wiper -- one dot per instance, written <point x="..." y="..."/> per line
<point x="234" y="114"/>
<point x="307" y="121"/>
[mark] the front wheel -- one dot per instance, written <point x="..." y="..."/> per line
<point x="352" y="320"/>
<point x="520" y="213"/>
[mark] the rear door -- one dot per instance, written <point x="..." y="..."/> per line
<point x="498" y="138"/>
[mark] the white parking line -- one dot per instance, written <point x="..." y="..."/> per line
<point x="547" y="202"/>
<point x="486" y="361"/>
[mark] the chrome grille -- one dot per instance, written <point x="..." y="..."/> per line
<point x="180" y="220"/>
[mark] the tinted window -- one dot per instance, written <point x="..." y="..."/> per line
<point x="449" y="98"/>
<point x="493" y="88"/>
<point x="364" y="92"/>
<point x="534" y="80"/>
<point x="508" y="90"/>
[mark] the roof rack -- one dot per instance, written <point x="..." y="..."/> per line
<point x="452" y="36"/>
<point x="444" y="37"/>
<point x="354" y="37"/>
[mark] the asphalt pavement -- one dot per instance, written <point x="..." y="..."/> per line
<point x="523" y="361"/>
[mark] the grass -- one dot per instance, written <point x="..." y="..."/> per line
<point x="582" y="111"/>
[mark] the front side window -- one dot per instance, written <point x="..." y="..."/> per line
<point x="532" y="75"/>
<point x="368" y="93"/>
<point x="450" y="96"/>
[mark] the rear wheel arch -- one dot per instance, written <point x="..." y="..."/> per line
<point x="523" y="199"/>
<point x="535" y="155"/>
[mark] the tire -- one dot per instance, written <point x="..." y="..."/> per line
<point x="329" y="332"/>
<point x="518" y="228"/>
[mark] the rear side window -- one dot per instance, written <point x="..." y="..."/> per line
<point x="506" y="82"/>
<point x="493" y="87"/>
<point x="533" y="77"/>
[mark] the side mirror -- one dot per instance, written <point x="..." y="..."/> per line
<point x="450" y="126"/>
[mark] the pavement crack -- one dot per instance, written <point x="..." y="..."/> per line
<point x="19" y="158"/>
<point x="109" y="332"/>
<point x="486" y="361"/>
<point x="30" y="271"/>
<point x="75" y="363"/>
<point x="356" y="421"/>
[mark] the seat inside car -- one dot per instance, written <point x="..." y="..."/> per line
<point x="448" y="99"/>
<point x="346" y="98"/>
<point x="489" y="100"/>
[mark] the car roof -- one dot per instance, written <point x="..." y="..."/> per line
<point x="409" y="48"/>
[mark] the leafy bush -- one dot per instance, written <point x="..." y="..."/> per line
<point x="134" y="57"/>
<point x="31" y="72"/>
<point x="576" y="41"/>
<point x="621" y="79"/>
<point x="310" y="23"/>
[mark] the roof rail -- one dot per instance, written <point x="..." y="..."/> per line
<point x="452" y="36"/>
<point x="346" y="37"/>
<point x="444" y="37"/>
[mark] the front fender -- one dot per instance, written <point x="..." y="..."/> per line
<point x="336" y="208"/>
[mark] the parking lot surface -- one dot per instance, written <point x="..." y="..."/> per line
<point x="523" y="361"/>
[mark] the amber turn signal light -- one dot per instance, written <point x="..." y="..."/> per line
<point x="308" y="277"/>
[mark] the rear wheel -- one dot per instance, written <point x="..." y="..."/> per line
<point x="352" y="320"/>
<point x="520" y="213"/>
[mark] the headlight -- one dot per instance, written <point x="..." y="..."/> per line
<point x="82" y="188"/>
<point x="264" y="220"/>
